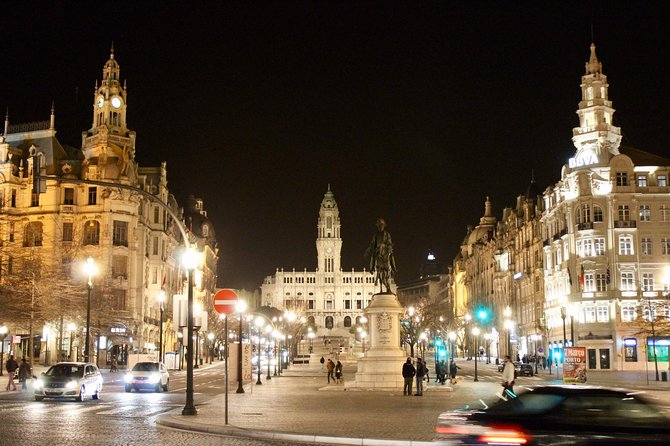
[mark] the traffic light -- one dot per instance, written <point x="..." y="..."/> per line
<point x="483" y="315"/>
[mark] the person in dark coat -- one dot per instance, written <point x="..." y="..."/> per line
<point x="24" y="374"/>
<point x="420" y="373"/>
<point x="11" y="365"/>
<point x="453" y="369"/>
<point x="408" y="372"/>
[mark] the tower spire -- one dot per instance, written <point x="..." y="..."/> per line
<point x="593" y="66"/>
<point x="52" y="124"/>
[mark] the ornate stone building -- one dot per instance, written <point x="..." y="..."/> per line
<point x="331" y="298"/>
<point x="96" y="202"/>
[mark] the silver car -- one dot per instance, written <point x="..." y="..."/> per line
<point x="149" y="376"/>
<point x="69" y="380"/>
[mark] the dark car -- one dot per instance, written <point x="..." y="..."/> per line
<point x="521" y="368"/>
<point x="559" y="415"/>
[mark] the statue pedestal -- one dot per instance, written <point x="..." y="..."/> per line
<point x="381" y="365"/>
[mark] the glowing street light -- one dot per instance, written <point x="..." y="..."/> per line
<point x="240" y="308"/>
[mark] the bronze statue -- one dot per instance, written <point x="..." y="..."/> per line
<point x="380" y="251"/>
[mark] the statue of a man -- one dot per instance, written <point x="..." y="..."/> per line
<point x="380" y="251"/>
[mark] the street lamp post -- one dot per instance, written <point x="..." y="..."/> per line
<point x="90" y="269"/>
<point x="268" y="333"/>
<point x="468" y="318"/>
<point x="565" y="336"/>
<point x="452" y="340"/>
<point x="180" y="338"/>
<point x="535" y="338"/>
<point x="475" y="334"/>
<point x="190" y="261"/>
<point x="310" y="335"/>
<point x="259" y="324"/>
<point x="161" y="350"/>
<point x="241" y="307"/>
<point x="3" y="335"/>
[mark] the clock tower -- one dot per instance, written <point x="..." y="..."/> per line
<point x="328" y="241"/>
<point x="108" y="146"/>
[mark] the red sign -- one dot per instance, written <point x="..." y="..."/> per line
<point x="225" y="301"/>
<point x="574" y="365"/>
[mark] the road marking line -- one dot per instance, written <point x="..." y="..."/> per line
<point x="115" y="411"/>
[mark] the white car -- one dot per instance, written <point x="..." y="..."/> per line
<point x="69" y="380"/>
<point x="148" y="375"/>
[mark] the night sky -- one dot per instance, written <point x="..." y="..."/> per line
<point x="413" y="111"/>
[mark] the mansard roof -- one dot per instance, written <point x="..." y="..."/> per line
<point x="642" y="158"/>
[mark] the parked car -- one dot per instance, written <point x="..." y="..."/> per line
<point x="69" y="380"/>
<point x="149" y="375"/>
<point x="521" y="369"/>
<point x="559" y="415"/>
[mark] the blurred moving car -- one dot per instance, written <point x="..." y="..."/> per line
<point x="69" y="380"/>
<point x="149" y="375"/>
<point x="559" y="415"/>
<point x="521" y="368"/>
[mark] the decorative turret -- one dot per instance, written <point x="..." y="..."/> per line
<point x="328" y="241"/>
<point x="596" y="139"/>
<point x="108" y="146"/>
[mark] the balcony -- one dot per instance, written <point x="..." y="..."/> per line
<point x="584" y="226"/>
<point x="625" y="224"/>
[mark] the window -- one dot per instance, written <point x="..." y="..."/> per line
<point x="589" y="283"/>
<point x="597" y="214"/>
<point x="154" y="276"/>
<point x="120" y="236"/>
<point x="641" y="181"/>
<point x="33" y="234"/>
<point x="310" y="304"/>
<point x="156" y="214"/>
<point x="68" y="197"/>
<point x="590" y="314"/>
<point x="622" y="179"/>
<point x="347" y="304"/>
<point x="155" y="246"/>
<point x="67" y="232"/>
<point x="91" y="233"/>
<point x="665" y="246"/>
<point x="359" y="304"/>
<point x="645" y="212"/>
<point x="626" y="245"/>
<point x="645" y="246"/>
<point x="601" y="282"/>
<point x="588" y="248"/>
<point x="647" y="281"/>
<point x="120" y="267"/>
<point x="12" y="225"/>
<point x="662" y="180"/>
<point x="585" y="214"/>
<point x="665" y="212"/>
<point x="599" y="246"/>
<point x="603" y="314"/>
<point x="628" y="313"/>
<point x="624" y="212"/>
<point x="35" y="200"/>
<point x="347" y="321"/>
<point x="627" y="281"/>
<point x="329" y="322"/>
<point x="119" y="299"/>
<point x="92" y="195"/>
<point x="13" y="199"/>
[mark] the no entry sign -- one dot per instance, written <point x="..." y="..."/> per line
<point x="225" y="301"/>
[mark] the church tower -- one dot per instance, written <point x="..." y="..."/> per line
<point x="596" y="139"/>
<point x="328" y="241"/>
<point x="108" y="146"/>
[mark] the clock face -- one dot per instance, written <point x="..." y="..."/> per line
<point x="329" y="250"/>
<point x="101" y="101"/>
<point x="116" y="102"/>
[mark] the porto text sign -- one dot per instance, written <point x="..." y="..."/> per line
<point x="574" y="365"/>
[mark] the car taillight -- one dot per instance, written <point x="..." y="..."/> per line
<point x="503" y="436"/>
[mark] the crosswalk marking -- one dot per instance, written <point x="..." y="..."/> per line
<point x="72" y="410"/>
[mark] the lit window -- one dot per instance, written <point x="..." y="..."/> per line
<point x="627" y="281"/>
<point x="646" y="246"/>
<point x="645" y="212"/>
<point x="662" y="180"/>
<point x="601" y="282"/>
<point x="624" y="212"/>
<point x="665" y="246"/>
<point x="626" y="245"/>
<point x="647" y="281"/>
<point x="641" y="181"/>
<point x="599" y="246"/>
<point x="603" y="313"/>
<point x="665" y="212"/>
<point x="628" y="313"/>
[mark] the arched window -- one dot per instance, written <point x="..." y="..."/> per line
<point x="347" y="321"/>
<point x="597" y="213"/>
<point x="91" y="233"/>
<point x="310" y="322"/>
<point x="33" y="234"/>
<point x="329" y="322"/>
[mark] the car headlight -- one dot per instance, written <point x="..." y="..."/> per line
<point x="154" y="378"/>
<point x="38" y="384"/>
<point x="128" y="378"/>
<point x="71" y="385"/>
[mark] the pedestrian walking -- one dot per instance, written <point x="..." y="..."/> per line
<point x="453" y="370"/>
<point x="322" y="361"/>
<point x="24" y="374"/>
<point x="507" y="378"/>
<point x="114" y="365"/>
<point x="420" y="373"/>
<point x="330" y="367"/>
<point x="338" y="373"/>
<point x="408" y="372"/>
<point x="11" y="365"/>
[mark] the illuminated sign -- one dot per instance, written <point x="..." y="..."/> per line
<point x="629" y="342"/>
<point x="583" y="159"/>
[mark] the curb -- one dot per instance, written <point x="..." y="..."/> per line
<point x="170" y="421"/>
